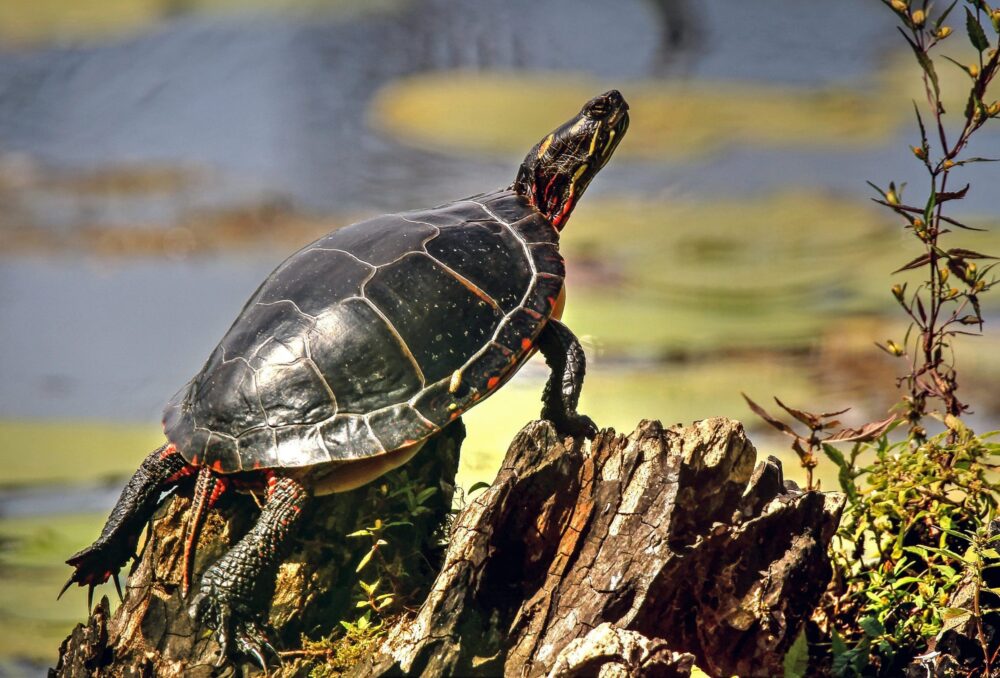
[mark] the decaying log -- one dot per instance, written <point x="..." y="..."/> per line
<point x="671" y="534"/>
<point x="638" y="555"/>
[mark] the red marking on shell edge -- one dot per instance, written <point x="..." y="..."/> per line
<point x="168" y="450"/>
<point x="454" y="415"/>
<point x="551" y="300"/>
<point x="533" y="313"/>
<point x="217" y="466"/>
<point x="183" y="473"/>
<point x="525" y="344"/>
<point x="492" y="383"/>
<point x="256" y="465"/>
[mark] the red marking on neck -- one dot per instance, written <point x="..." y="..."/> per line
<point x="567" y="206"/>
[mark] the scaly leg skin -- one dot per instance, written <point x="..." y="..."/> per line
<point x="106" y="556"/>
<point x="568" y="363"/>
<point x="226" y="598"/>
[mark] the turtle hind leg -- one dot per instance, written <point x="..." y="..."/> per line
<point x="228" y="596"/>
<point x="207" y="490"/>
<point x="105" y="557"/>
<point x="566" y="359"/>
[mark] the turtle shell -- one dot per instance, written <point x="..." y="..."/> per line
<point x="373" y="337"/>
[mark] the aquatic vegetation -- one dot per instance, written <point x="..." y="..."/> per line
<point x="52" y="452"/>
<point x="31" y="570"/>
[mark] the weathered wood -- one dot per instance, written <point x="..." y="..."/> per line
<point x="638" y="555"/>
<point x="669" y="534"/>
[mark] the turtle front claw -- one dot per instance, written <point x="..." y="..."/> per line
<point x="574" y="424"/>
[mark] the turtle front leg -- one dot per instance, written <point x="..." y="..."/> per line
<point x="228" y="597"/>
<point x="565" y="357"/>
<point x="105" y="557"/>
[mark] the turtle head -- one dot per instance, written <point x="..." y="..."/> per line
<point x="557" y="171"/>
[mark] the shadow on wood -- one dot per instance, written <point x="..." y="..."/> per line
<point x="638" y="555"/>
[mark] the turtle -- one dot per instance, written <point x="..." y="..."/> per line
<point x="353" y="353"/>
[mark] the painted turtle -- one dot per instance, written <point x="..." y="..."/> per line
<point x="355" y="351"/>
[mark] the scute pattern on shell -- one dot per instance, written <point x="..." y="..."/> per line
<point x="373" y="337"/>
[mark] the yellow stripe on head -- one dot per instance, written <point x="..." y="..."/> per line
<point x="593" y="141"/>
<point x="544" y="146"/>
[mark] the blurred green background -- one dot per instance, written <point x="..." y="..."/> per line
<point x="159" y="157"/>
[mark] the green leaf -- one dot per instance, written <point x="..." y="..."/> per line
<point x="361" y="533"/>
<point x="365" y="560"/>
<point x="926" y="64"/>
<point x="929" y="208"/>
<point x="478" y="486"/>
<point x="360" y="604"/>
<point x="976" y="34"/>
<point x="954" y="613"/>
<point x="796" y="661"/>
<point x="845" y="476"/>
<point x="944" y="14"/>
<point x="425" y="494"/>
<point x="839" y="646"/>
<point x="871" y="626"/>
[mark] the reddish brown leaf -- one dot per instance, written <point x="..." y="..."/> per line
<point x="808" y="418"/>
<point x="952" y="195"/>
<point x="916" y="263"/>
<point x="776" y="423"/>
<point x="968" y="254"/>
<point x="865" y="434"/>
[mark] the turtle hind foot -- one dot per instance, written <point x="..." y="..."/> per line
<point x="235" y="626"/>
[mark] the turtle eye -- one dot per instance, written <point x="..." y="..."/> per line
<point x="599" y="108"/>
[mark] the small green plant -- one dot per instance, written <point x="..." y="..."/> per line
<point x="917" y="549"/>
<point x="912" y="536"/>
<point x="947" y="302"/>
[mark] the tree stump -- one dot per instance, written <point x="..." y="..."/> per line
<point x="637" y="555"/>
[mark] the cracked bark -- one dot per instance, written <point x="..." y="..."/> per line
<point x="629" y="556"/>
<point x="635" y="555"/>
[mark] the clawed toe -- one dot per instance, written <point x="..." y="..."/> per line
<point x="93" y="566"/>
<point x="575" y="425"/>
<point x="251" y="640"/>
<point x="234" y="628"/>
